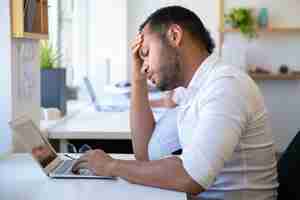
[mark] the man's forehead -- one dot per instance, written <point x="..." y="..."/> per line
<point x="147" y="32"/>
<point x="146" y="29"/>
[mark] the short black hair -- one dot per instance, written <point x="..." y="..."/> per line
<point x="162" y="18"/>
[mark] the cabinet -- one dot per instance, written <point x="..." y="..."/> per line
<point x="29" y="19"/>
<point x="269" y="30"/>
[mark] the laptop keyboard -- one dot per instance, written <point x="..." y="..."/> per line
<point x="65" y="167"/>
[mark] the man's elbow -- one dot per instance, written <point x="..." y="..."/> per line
<point x="192" y="187"/>
<point x="196" y="190"/>
<point x="184" y="182"/>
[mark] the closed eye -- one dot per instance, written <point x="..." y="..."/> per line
<point x="143" y="53"/>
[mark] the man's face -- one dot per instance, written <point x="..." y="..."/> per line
<point x="161" y="61"/>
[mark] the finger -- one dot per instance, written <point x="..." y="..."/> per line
<point x="137" y="39"/>
<point x="138" y="36"/>
<point x="79" y="165"/>
<point x="136" y="43"/>
<point x="136" y="49"/>
<point x="80" y="168"/>
<point x="83" y="157"/>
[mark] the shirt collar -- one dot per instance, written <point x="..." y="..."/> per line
<point x="182" y="94"/>
<point x="202" y="71"/>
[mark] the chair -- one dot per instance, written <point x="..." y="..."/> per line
<point x="289" y="171"/>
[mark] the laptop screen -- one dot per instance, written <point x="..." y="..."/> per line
<point x="34" y="142"/>
<point x="90" y="89"/>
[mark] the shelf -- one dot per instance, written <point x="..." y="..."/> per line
<point x="265" y="76"/>
<point x="36" y="36"/>
<point x="29" y="19"/>
<point x="267" y="30"/>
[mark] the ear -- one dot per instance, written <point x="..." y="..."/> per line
<point x="175" y="35"/>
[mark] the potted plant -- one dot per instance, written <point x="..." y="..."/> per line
<point x="53" y="79"/>
<point x="242" y="19"/>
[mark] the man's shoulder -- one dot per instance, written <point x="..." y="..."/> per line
<point x="228" y="75"/>
<point x="223" y="70"/>
<point x="229" y="80"/>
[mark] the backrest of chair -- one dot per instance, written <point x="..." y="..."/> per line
<point x="289" y="171"/>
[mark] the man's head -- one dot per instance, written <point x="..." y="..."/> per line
<point x="171" y="34"/>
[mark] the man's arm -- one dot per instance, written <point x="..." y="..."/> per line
<point x="167" y="173"/>
<point x="141" y="117"/>
<point x="141" y="120"/>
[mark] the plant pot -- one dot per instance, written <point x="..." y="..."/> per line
<point x="53" y="89"/>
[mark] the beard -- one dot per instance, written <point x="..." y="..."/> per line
<point x="170" y="76"/>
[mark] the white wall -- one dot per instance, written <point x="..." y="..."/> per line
<point x="80" y="37"/>
<point x="108" y="35"/>
<point x="99" y="37"/>
<point x="25" y="83"/>
<point x="26" y="79"/>
<point x="283" y="103"/>
<point x="5" y="77"/>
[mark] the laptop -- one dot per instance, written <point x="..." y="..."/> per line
<point x="158" y="112"/>
<point x="41" y="150"/>
<point x="98" y="107"/>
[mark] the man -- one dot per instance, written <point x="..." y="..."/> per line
<point x="228" y="152"/>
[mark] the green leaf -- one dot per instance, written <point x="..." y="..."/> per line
<point x="48" y="56"/>
<point x="242" y="19"/>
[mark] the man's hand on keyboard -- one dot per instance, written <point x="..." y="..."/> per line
<point x="97" y="161"/>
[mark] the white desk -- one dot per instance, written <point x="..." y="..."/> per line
<point x="22" y="179"/>
<point x="90" y="124"/>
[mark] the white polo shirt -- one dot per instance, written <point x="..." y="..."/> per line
<point x="223" y="129"/>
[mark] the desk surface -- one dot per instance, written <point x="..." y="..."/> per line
<point x="23" y="179"/>
<point x="90" y="124"/>
<point x="87" y="123"/>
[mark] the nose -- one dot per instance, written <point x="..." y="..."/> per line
<point x="145" y="68"/>
<point x="149" y="75"/>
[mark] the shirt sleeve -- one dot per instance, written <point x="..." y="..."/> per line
<point x="164" y="140"/>
<point x="221" y="116"/>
